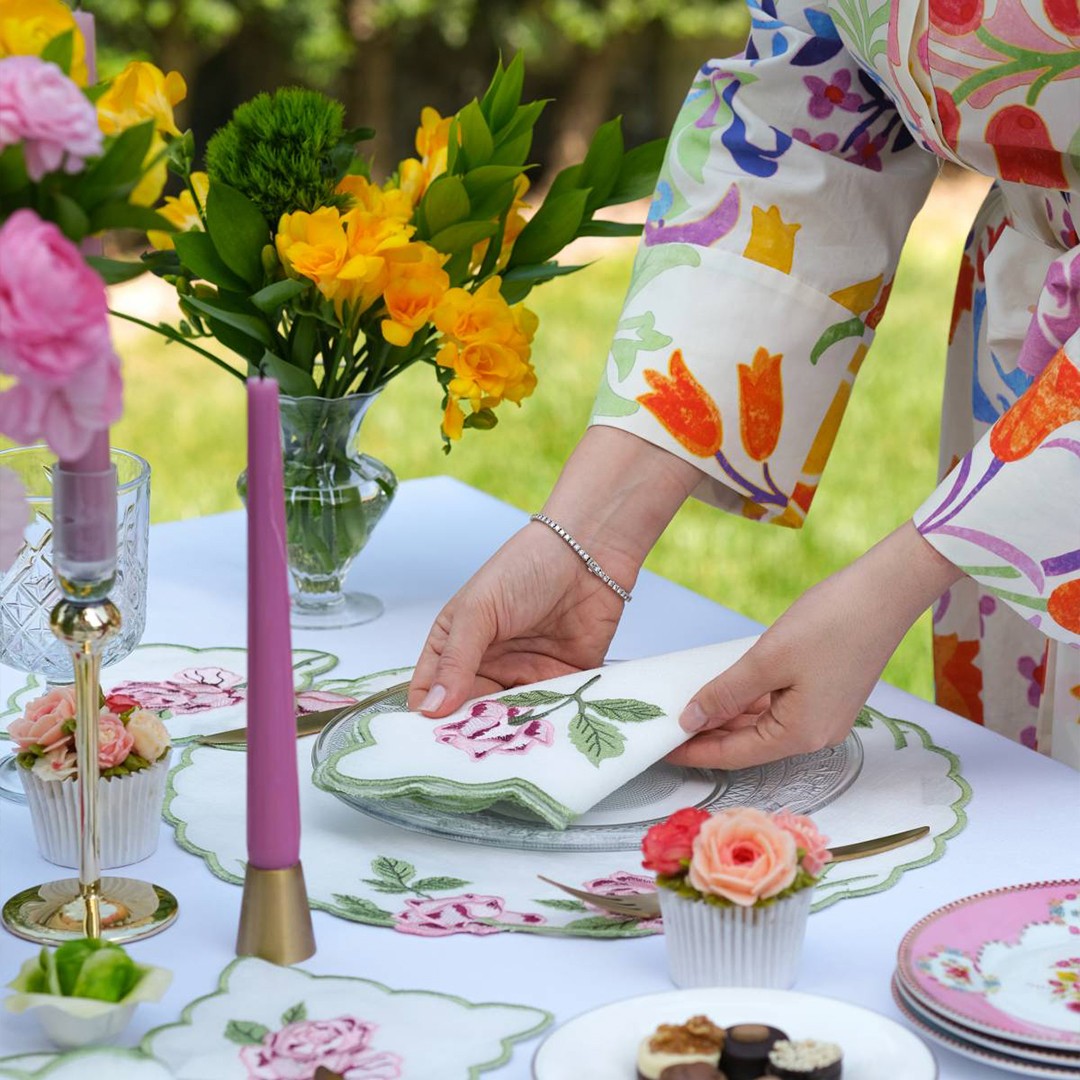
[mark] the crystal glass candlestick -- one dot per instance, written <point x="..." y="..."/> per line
<point x="84" y="546"/>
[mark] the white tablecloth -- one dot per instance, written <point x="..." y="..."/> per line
<point x="1023" y="816"/>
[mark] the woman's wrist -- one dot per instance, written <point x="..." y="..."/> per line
<point x="616" y="495"/>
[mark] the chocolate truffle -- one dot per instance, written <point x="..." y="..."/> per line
<point x="805" y="1059"/>
<point x="746" y="1050"/>
<point x="698" y="1041"/>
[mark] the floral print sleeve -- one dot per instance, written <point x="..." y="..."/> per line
<point x="1009" y="513"/>
<point x="789" y="185"/>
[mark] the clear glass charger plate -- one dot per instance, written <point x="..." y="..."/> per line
<point x="602" y="1044"/>
<point x="804" y="783"/>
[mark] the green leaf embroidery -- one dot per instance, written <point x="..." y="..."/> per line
<point x="601" y="925"/>
<point x="246" y="1032"/>
<point x="627" y="710"/>
<point x="563" y="905"/>
<point x="534" y="697"/>
<point x="360" y="909"/>
<point x="439" y="884"/>
<point x="297" y="1012"/>
<point x="596" y="739"/>
<point x="393" y="871"/>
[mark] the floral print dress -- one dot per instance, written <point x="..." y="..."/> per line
<point x="792" y="176"/>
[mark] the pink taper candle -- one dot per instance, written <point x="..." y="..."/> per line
<point x="273" y="793"/>
<point x="87" y="494"/>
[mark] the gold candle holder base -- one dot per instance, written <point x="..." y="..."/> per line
<point x="275" y="920"/>
<point x="53" y="913"/>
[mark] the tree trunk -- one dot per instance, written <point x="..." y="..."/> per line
<point x="369" y="87"/>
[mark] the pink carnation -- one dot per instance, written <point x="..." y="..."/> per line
<point x="115" y="742"/>
<point x="54" y="338"/>
<point x="807" y="838"/>
<point x="44" y="110"/>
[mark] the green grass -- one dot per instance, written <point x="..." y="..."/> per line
<point x="187" y="418"/>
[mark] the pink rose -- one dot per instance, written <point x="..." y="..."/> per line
<point x="15" y="514"/>
<point x="464" y="914"/>
<point x="115" y="742"/>
<point x="54" y="339"/>
<point x="743" y="856"/>
<point x="808" y="838"/>
<point x="43" y="721"/>
<point x="298" y="1050"/>
<point x="492" y="728"/>
<point x="44" y="110"/>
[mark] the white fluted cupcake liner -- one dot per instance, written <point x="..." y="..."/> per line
<point x="734" y="946"/>
<point x="129" y="812"/>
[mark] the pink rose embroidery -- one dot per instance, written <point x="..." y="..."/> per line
<point x="493" y="728"/>
<point x="192" y="690"/>
<point x="54" y="339"/>
<point x="340" y="1045"/>
<point x="43" y="720"/>
<point x="622" y="883"/>
<point x="317" y="700"/>
<point x="41" y="108"/>
<point x="460" y="915"/>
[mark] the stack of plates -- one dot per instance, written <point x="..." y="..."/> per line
<point x="996" y="977"/>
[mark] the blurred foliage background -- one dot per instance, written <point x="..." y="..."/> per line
<point x="596" y="58"/>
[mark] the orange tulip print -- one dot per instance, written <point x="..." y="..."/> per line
<point x="1052" y="401"/>
<point x="761" y="404"/>
<point x="957" y="680"/>
<point x="684" y="407"/>
<point x="1063" y="606"/>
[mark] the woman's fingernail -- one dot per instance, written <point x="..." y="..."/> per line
<point x="435" y="697"/>
<point x="693" y="717"/>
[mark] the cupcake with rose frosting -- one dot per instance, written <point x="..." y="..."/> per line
<point x="133" y="754"/>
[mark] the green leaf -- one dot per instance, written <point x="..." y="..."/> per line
<point x="596" y="739"/>
<point x="514" y="151"/>
<point x="360" y="909"/>
<point x="567" y="180"/>
<point x="439" y="884"/>
<point x="304" y="342"/>
<point x="481" y="420"/>
<point x="297" y="1012"/>
<point x="279" y="293"/>
<point x="493" y="88"/>
<point x="12" y="171"/>
<point x="494" y="205"/>
<point x="393" y="869"/>
<point x="480" y="181"/>
<point x="600" y="926"/>
<point x="246" y="1032"/>
<point x="238" y="230"/>
<point x="60" y="51"/>
<point x="120" y="214"/>
<point x="551" y="228"/>
<point x="200" y="258"/>
<point x="626" y="710"/>
<point x="71" y="217"/>
<point x="232" y="313"/>
<point x="294" y="381"/>
<point x="610" y="228"/>
<point x="563" y="905"/>
<point x="463" y="236"/>
<point x="534" y="697"/>
<point x="600" y="169"/>
<point x="513" y="292"/>
<point x="507" y="96"/>
<point x="544" y="272"/>
<point x="477" y="145"/>
<point x="525" y="117"/>
<point x="638" y="172"/>
<point x="119" y="167"/>
<point x="446" y="202"/>
<point x="115" y="271"/>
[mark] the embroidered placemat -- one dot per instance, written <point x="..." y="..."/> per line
<point x="267" y="1021"/>
<point x="373" y="872"/>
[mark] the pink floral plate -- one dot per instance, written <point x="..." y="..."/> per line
<point x="1005" y="962"/>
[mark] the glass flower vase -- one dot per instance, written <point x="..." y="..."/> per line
<point x="334" y="497"/>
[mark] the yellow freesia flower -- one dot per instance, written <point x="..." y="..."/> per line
<point x="411" y="180"/>
<point x="313" y="246"/>
<point x="388" y="202"/>
<point x="181" y="211"/>
<point x="371" y="240"/>
<point x="464" y="315"/>
<point x="27" y="26"/>
<point x="487" y="372"/>
<point x="432" y="139"/>
<point x="416" y="283"/>
<point x="141" y="92"/>
<point x="453" y="418"/>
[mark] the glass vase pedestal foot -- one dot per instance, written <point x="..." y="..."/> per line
<point x="331" y="613"/>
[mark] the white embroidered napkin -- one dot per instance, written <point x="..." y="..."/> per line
<point x="556" y="748"/>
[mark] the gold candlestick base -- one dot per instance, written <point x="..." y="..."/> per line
<point x="275" y="920"/>
<point x="53" y="913"/>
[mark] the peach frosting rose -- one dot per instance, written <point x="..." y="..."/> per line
<point x="150" y="735"/>
<point x="743" y="856"/>
<point x="42" y="723"/>
<point x="114" y="740"/>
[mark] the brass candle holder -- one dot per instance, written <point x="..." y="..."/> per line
<point x="117" y="909"/>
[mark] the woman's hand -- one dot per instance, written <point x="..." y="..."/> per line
<point x="534" y="611"/>
<point x="802" y="685"/>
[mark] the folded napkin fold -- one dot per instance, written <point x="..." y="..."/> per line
<point x="555" y="748"/>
